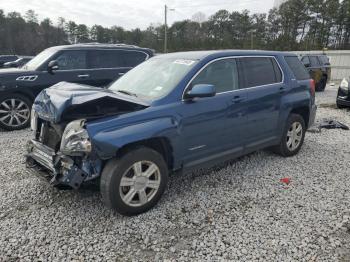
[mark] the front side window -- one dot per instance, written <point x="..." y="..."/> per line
<point x="72" y="60"/>
<point x="154" y="78"/>
<point x="261" y="71"/>
<point x="223" y="74"/>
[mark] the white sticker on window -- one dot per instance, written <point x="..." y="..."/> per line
<point x="158" y="88"/>
<point x="184" y="62"/>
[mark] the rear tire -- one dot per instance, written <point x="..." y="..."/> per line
<point x="14" y="112"/>
<point x="292" y="138"/>
<point x="134" y="183"/>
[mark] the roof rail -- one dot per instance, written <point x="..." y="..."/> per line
<point x="107" y="44"/>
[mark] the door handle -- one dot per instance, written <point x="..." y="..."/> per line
<point x="282" y="89"/>
<point x="84" y="76"/>
<point x="237" y="99"/>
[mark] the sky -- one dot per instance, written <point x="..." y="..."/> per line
<point x="129" y="14"/>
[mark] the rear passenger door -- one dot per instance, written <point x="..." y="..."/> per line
<point x="109" y="64"/>
<point x="265" y="88"/>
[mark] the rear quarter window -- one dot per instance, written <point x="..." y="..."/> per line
<point x="297" y="68"/>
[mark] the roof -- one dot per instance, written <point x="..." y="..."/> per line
<point x="199" y="55"/>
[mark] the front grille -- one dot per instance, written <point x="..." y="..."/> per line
<point x="48" y="135"/>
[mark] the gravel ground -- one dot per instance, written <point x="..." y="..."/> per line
<point x="239" y="211"/>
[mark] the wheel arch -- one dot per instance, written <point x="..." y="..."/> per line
<point x="160" y="144"/>
<point x="304" y="112"/>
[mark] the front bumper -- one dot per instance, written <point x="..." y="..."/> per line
<point x="58" y="168"/>
<point x="343" y="101"/>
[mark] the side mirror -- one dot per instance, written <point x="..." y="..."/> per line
<point x="52" y="66"/>
<point x="201" y="90"/>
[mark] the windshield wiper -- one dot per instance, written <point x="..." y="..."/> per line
<point x="127" y="93"/>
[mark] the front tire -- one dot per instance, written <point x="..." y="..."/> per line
<point x="134" y="183"/>
<point x="14" y="112"/>
<point x="293" y="136"/>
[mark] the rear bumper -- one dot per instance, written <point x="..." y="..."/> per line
<point x="59" y="169"/>
<point x="312" y="115"/>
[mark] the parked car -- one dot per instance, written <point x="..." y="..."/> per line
<point x="343" y="97"/>
<point x="198" y="109"/>
<point x="7" y="58"/>
<point x="319" y="68"/>
<point x="18" y="63"/>
<point x="91" y="64"/>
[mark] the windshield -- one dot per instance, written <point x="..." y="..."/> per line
<point x="154" y="78"/>
<point x="39" y="59"/>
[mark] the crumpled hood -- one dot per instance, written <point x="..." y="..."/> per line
<point x="83" y="101"/>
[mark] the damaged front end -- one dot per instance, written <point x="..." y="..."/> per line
<point x="61" y="146"/>
<point x="67" y="158"/>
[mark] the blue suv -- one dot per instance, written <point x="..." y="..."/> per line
<point x="174" y="112"/>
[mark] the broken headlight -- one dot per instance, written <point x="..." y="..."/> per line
<point x="344" y="85"/>
<point x="75" y="139"/>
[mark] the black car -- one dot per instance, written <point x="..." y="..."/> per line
<point x="90" y="64"/>
<point x="319" y="68"/>
<point x="19" y="62"/>
<point x="343" y="97"/>
<point x="7" y="58"/>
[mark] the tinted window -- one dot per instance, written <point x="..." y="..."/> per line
<point x="115" y="58"/>
<point x="297" y="68"/>
<point x="261" y="71"/>
<point x="133" y="58"/>
<point x="69" y="60"/>
<point x="314" y="61"/>
<point x="222" y="74"/>
<point x="105" y="59"/>
<point x="305" y="60"/>
<point x="324" y="60"/>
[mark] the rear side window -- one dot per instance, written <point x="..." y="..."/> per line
<point x="314" y="61"/>
<point x="261" y="71"/>
<point x="297" y="68"/>
<point x="105" y="59"/>
<point x="115" y="58"/>
<point x="324" y="60"/>
<point x="133" y="58"/>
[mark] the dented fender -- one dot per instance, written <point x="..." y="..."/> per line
<point x="108" y="141"/>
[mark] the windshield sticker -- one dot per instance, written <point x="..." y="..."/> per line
<point x="158" y="88"/>
<point x="184" y="62"/>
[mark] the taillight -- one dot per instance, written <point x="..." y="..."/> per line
<point x="312" y="87"/>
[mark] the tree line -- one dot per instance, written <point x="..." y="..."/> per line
<point x="295" y="25"/>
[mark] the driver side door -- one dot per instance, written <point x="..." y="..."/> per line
<point x="72" y="67"/>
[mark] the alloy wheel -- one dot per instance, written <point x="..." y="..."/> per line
<point x="140" y="183"/>
<point x="14" y="112"/>
<point x="294" y="136"/>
